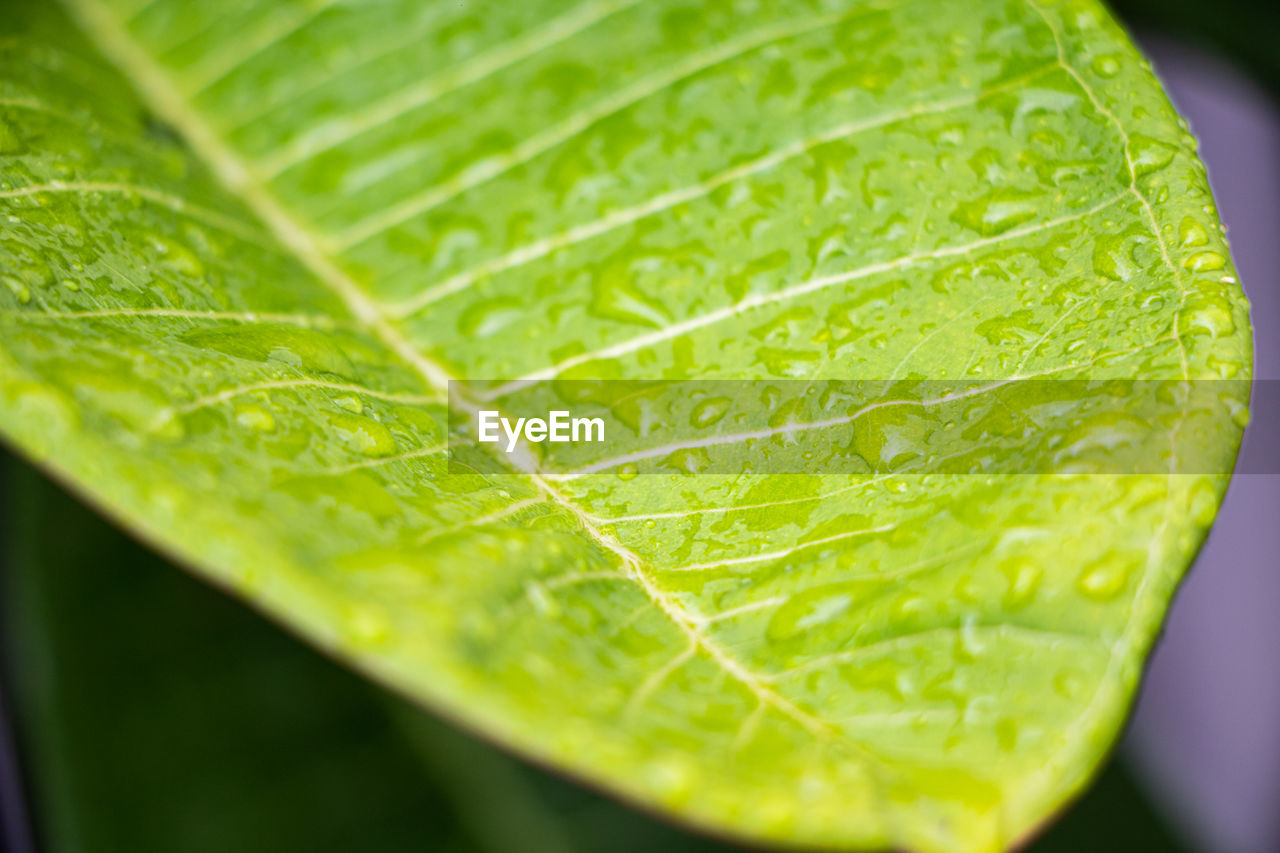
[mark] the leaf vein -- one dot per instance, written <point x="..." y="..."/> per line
<point x="248" y="317"/>
<point x="151" y="80"/>
<point x="243" y="230"/>
<point x="810" y="286"/>
<point x="966" y="634"/>
<point x="242" y="50"/>
<point x="307" y="145"/>
<point x="486" y="170"/>
<point x="675" y="198"/>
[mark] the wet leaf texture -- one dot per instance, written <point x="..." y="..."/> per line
<point x="247" y="245"/>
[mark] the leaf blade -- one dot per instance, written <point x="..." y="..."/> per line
<point x="882" y="774"/>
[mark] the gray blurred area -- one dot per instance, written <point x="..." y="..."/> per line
<point x="1205" y="737"/>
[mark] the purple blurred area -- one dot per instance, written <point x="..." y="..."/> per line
<point x="1205" y="738"/>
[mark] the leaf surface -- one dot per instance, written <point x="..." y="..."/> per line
<point x="248" y="245"/>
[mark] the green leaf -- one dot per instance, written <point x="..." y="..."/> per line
<point x="248" y="245"/>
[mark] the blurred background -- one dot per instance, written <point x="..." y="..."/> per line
<point x="141" y="710"/>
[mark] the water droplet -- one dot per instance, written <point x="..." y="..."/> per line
<point x="255" y="417"/>
<point x="175" y="256"/>
<point x="1211" y="315"/>
<point x="671" y="778"/>
<point x="815" y="607"/>
<point x="167" y="425"/>
<point x="1069" y="684"/>
<point x="307" y="349"/>
<point x="997" y="211"/>
<point x="1105" y="578"/>
<point x="787" y="362"/>
<point x="616" y="296"/>
<point x="541" y="599"/>
<point x="363" y="435"/>
<point x="1149" y="155"/>
<point x="367" y="627"/>
<point x="1113" y="256"/>
<point x="1023" y="574"/>
<point x="1011" y="329"/>
<point x="1106" y="66"/>
<point x="709" y="411"/>
<point x="1192" y="233"/>
<point x="18" y="287"/>
<point x="1239" y="413"/>
<point x="1205" y="261"/>
<point x="693" y="460"/>
<point x="350" y="403"/>
<point x="489" y="316"/>
<point x="627" y="471"/>
<point x="1203" y="501"/>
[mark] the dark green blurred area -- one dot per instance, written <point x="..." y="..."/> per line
<point x="155" y="714"/>
<point x="1246" y="33"/>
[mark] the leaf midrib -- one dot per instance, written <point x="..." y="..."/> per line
<point x="155" y="88"/>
